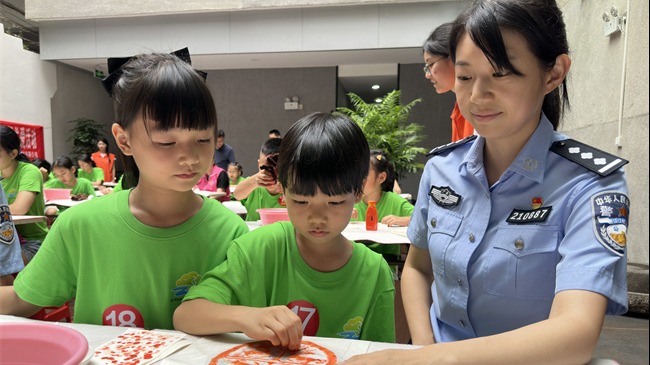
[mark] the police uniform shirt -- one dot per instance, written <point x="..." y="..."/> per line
<point x="500" y="253"/>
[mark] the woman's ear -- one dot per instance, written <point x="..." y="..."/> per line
<point x="121" y="139"/>
<point x="558" y="73"/>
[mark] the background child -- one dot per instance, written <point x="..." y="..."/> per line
<point x="104" y="160"/>
<point x="235" y="172"/>
<point x="261" y="190"/>
<point x="392" y="209"/>
<point x="509" y="235"/>
<point x="64" y="171"/>
<point x="87" y="170"/>
<point x="215" y="179"/>
<point x="23" y="186"/>
<point x="129" y="257"/>
<point x="280" y="279"/>
<point x="46" y="171"/>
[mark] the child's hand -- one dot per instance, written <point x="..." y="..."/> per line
<point x="392" y="220"/>
<point x="355" y="213"/>
<point x="265" y="179"/>
<point x="277" y="324"/>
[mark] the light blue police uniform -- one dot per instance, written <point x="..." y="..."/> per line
<point x="500" y="253"/>
<point x="11" y="260"/>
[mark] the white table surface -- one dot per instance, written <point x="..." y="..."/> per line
<point x="25" y="219"/>
<point x="356" y="231"/>
<point x="202" y="349"/>
<point x="235" y="206"/>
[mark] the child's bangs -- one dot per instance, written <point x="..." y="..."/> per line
<point x="311" y="178"/>
<point x="179" y="98"/>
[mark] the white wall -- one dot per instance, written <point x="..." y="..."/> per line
<point x="26" y="86"/>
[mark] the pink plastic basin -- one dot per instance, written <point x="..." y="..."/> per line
<point x="272" y="215"/>
<point x="41" y="344"/>
<point x="56" y="194"/>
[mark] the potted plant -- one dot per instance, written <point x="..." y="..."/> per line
<point x="84" y="135"/>
<point x="387" y="127"/>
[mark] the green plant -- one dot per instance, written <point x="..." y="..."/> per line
<point x="387" y="127"/>
<point x="84" y="135"/>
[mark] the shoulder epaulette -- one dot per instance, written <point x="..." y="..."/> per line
<point x="587" y="156"/>
<point x="449" y="146"/>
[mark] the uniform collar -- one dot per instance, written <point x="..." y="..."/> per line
<point x="531" y="160"/>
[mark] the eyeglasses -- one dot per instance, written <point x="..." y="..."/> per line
<point x="428" y="66"/>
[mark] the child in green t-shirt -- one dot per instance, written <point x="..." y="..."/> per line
<point x="87" y="170"/>
<point x="262" y="189"/>
<point x="303" y="277"/>
<point x="64" y="171"/>
<point x="392" y="209"/>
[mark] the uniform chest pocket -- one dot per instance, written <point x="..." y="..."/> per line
<point x="522" y="262"/>
<point x="443" y="225"/>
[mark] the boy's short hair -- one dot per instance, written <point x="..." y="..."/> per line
<point x="271" y="146"/>
<point x="325" y="151"/>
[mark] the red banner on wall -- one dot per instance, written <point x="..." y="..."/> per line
<point x="31" y="138"/>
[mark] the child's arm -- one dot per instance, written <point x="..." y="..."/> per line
<point x="24" y="201"/>
<point x="10" y="303"/>
<point x="393" y="220"/>
<point x="278" y="324"/>
<point x="262" y="179"/>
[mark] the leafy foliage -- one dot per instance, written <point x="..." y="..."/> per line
<point x="386" y="126"/>
<point x="84" y="135"/>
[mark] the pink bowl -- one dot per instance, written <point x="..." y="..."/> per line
<point x="36" y="343"/>
<point x="56" y="194"/>
<point x="272" y="215"/>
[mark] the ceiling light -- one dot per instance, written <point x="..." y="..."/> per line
<point x="378" y="100"/>
<point x="375" y="87"/>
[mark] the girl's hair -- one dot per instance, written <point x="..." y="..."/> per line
<point x="379" y="163"/>
<point x="438" y="41"/>
<point x="10" y="141"/>
<point x="163" y="89"/>
<point x="539" y="22"/>
<point x="63" y="161"/>
<point x="237" y="165"/>
<point x="86" y="158"/>
<point x="42" y="163"/>
<point x="325" y="151"/>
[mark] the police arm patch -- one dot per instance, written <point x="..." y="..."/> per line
<point x="610" y="217"/>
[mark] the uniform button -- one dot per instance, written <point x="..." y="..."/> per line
<point x="519" y="244"/>
<point x="433" y="222"/>
<point x="460" y="282"/>
<point x="462" y="323"/>
<point x="471" y="237"/>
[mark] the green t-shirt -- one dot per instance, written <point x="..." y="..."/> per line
<point x="96" y="175"/>
<point x="265" y="268"/>
<point x="83" y="186"/>
<point x="260" y="198"/>
<point x="51" y="179"/>
<point x="27" y="177"/>
<point x="121" y="271"/>
<point x="389" y="204"/>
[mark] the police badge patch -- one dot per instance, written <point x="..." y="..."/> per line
<point x="610" y="215"/>
<point x="7" y="230"/>
<point x="444" y="196"/>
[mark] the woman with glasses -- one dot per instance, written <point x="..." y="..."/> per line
<point x="439" y="69"/>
